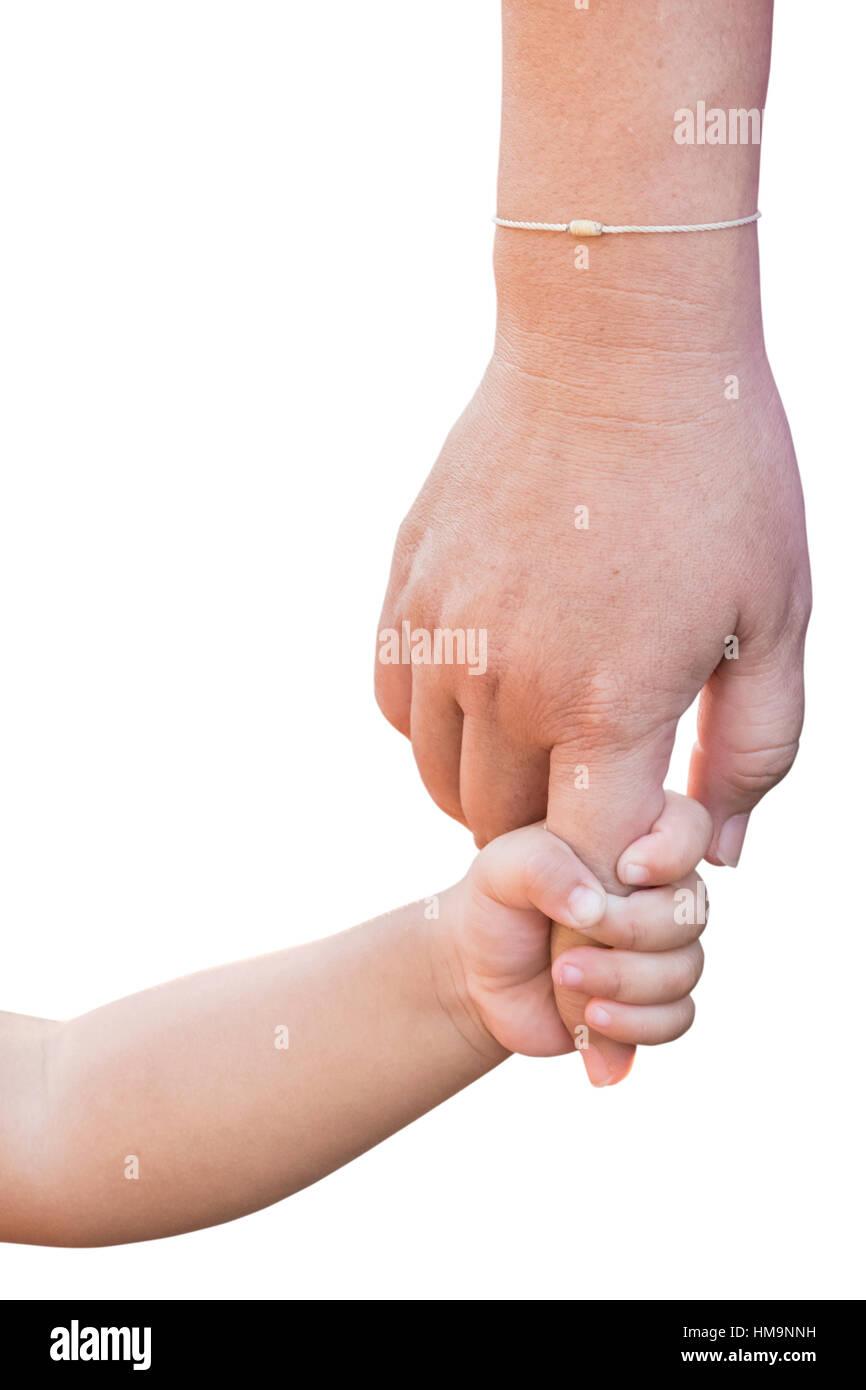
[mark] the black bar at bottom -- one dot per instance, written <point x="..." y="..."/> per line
<point x="584" y="1340"/>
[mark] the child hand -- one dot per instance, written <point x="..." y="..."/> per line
<point x="633" y="987"/>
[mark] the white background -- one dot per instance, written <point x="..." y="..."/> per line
<point x="245" y="289"/>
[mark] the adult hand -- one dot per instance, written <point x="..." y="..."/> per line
<point x="691" y="573"/>
<point x="629" y="392"/>
<point x="687" y="572"/>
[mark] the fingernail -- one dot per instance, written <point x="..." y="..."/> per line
<point x="600" y="1017"/>
<point x="731" y="837"/>
<point x="597" y="1069"/>
<point x="585" y="907"/>
<point x="634" y="874"/>
<point x="570" y="975"/>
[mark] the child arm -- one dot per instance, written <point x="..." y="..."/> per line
<point x="214" y="1095"/>
<point x="218" y="1094"/>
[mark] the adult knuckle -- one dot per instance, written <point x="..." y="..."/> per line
<point x="478" y="695"/>
<point x="408" y="534"/>
<point x="572" y="707"/>
<point x="606" y="713"/>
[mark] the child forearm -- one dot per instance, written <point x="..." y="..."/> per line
<point x="218" y="1094"/>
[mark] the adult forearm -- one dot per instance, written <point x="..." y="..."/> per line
<point x="593" y="126"/>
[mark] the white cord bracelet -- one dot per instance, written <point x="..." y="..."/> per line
<point x="582" y="227"/>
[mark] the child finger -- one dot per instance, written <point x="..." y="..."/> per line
<point x="532" y="868"/>
<point x="629" y="977"/>
<point x="675" y="845"/>
<point x="655" y="919"/>
<point x="647" y="1025"/>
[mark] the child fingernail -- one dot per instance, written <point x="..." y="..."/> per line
<point x="731" y="838"/>
<point x="597" y="1069"/>
<point x="585" y="907"/>
<point x="634" y="875"/>
<point x="598" y="1016"/>
<point x="570" y="975"/>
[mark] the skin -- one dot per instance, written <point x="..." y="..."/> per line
<point x="385" y="1021"/>
<point x="606" y="390"/>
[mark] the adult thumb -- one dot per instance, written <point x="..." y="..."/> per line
<point x="749" y="721"/>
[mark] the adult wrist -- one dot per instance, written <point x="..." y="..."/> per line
<point x="677" y="292"/>
<point x="593" y="127"/>
<point x="657" y="328"/>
